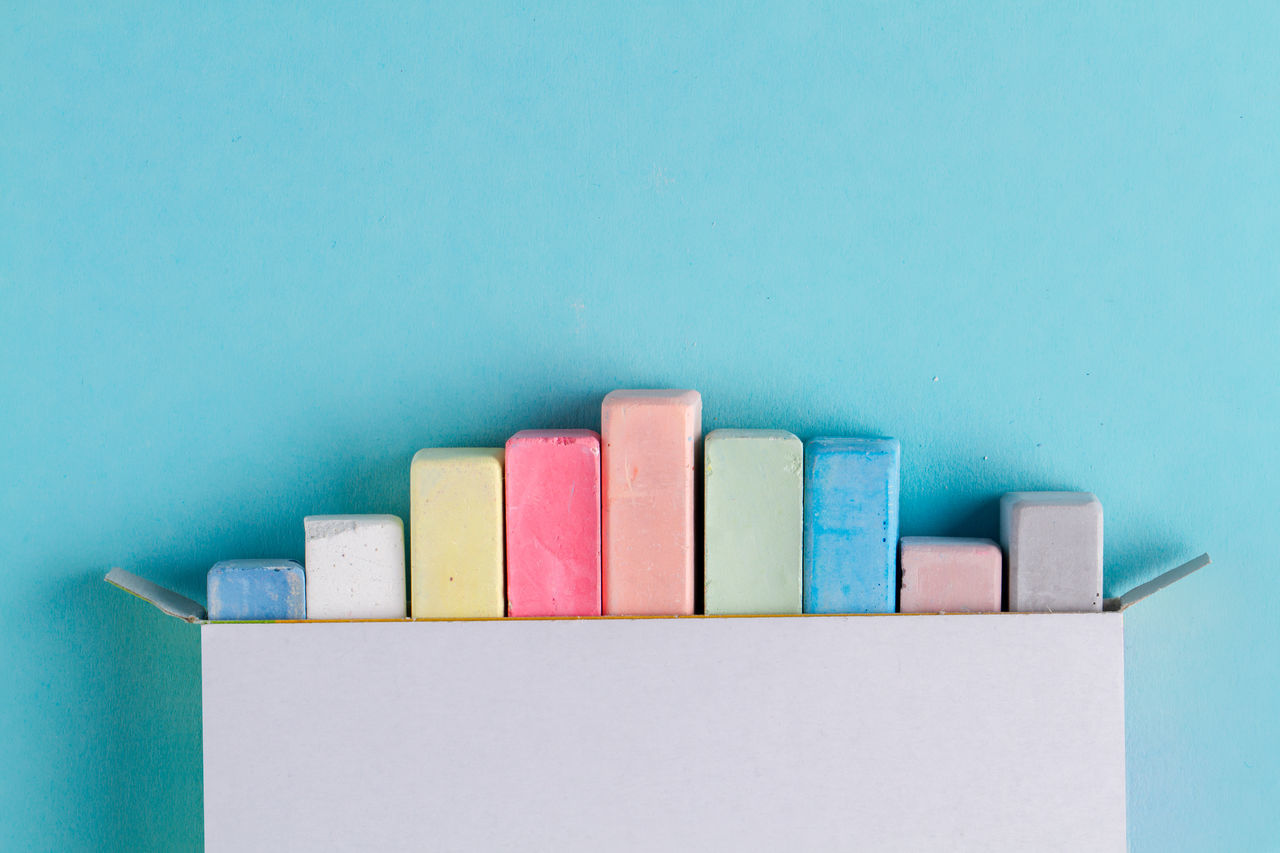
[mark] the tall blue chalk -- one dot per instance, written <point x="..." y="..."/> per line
<point x="851" y="525"/>
<point x="257" y="589"/>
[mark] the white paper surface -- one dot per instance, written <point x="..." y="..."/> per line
<point x="992" y="732"/>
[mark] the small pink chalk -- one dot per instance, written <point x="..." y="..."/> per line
<point x="949" y="575"/>
<point x="553" y="523"/>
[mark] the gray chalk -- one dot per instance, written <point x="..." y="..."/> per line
<point x="1054" y="544"/>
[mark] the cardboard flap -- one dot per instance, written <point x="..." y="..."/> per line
<point x="166" y="600"/>
<point x="184" y="608"/>
<point x="1142" y="591"/>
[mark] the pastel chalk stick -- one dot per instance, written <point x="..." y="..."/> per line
<point x="455" y="533"/>
<point x="355" y="567"/>
<point x="650" y="441"/>
<point x="1054" y="543"/>
<point x="753" y="522"/>
<point x="944" y="575"/>
<point x="851" y="525"/>
<point x="553" y="523"/>
<point x="253" y="590"/>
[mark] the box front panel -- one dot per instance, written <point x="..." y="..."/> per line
<point x="864" y="732"/>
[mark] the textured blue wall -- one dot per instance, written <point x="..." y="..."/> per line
<point x="250" y="261"/>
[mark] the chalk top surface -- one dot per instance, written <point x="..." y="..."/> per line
<point x="869" y="446"/>
<point x="1049" y="499"/>
<point x="761" y="434"/>
<point x="939" y="541"/>
<point x="255" y="565"/>
<point x="458" y="454"/>
<point x="560" y="436"/>
<point x="653" y="397"/>
<point x="324" y="526"/>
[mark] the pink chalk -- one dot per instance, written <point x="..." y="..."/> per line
<point x="553" y="523"/>
<point x="650" y="443"/>
<point x="949" y="575"/>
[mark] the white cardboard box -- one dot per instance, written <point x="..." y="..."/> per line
<point x="862" y="732"/>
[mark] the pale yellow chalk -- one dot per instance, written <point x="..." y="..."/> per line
<point x="455" y="533"/>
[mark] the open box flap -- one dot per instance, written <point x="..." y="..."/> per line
<point x="1145" y="590"/>
<point x="191" y="611"/>
<point x="166" y="600"/>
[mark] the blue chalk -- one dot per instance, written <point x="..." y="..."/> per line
<point x="257" y="589"/>
<point x="851" y="525"/>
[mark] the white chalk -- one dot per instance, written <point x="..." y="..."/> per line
<point x="1054" y="543"/>
<point x="355" y="567"/>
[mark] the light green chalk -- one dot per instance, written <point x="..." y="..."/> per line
<point x="754" y="521"/>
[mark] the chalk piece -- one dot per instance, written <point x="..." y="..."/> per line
<point x="949" y="575"/>
<point x="650" y="441"/>
<point x="753" y="510"/>
<point x="851" y="525"/>
<point x="1054" y="542"/>
<point x="355" y="567"/>
<point x="455" y="533"/>
<point x="250" y="590"/>
<point x="553" y="523"/>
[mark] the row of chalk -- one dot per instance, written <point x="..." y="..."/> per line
<point x="575" y="523"/>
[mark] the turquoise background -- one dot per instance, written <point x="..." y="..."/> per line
<point x="251" y="260"/>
